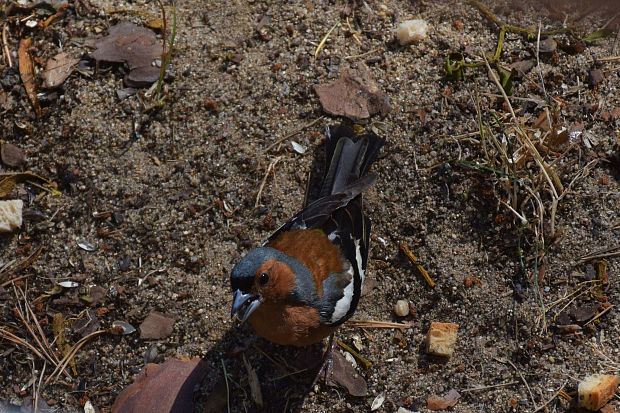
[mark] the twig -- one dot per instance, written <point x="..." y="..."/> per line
<point x="609" y="58"/>
<point x="166" y="54"/>
<point x="375" y="324"/>
<point x="37" y="393"/>
<point x="494" y="386"/>
<point x="602" y="253"/>
<point x="414" y="260"/>
<point x="357" y="56"/>
<point x="227" y="388"/>
<point x="599" y="315"/>
<point x="542" y="406"/>
<point x="67" y="358"/>
<point x="538" y="69"/>
<point x="321" y="45"/>
<point x="367" y="364"/>
<point x="524" y="382"/>
<point x="5" y="44"/>
<point x="290" y="135"/>
<point x="262" y="184"/>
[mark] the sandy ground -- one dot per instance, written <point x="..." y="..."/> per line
<point x="183" y="198"/>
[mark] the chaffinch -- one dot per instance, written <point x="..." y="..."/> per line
<point x="306" y="279"/>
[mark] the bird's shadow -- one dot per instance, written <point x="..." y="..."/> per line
<point x="240" y="361"/>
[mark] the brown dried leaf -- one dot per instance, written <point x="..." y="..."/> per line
<point x="345" y="375"/>
<point x="354" y="95"/>
<point x="11" y="155"/>
<point x="134" y="45"/>
<point x="58" y="69"/>
<point x="163" y="387"/>
<point x="443" y="403"/>
<point x="583" y="313"/>
<point x="156" y="326"/>
<point x="26" y="71"/>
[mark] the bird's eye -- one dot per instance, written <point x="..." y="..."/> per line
<point x="264" y="278"/>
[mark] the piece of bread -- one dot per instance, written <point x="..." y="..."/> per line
<point x="10" y="215"/>
<point x="596" y="390"/>
<point x="441" y="339"/>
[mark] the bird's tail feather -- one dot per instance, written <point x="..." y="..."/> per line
<point x="348" y="158"/>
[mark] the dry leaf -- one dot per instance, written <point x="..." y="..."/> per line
<point x="11" y="155"/>
<point x="443" y="403"/>
<point x="58" y="69"/>
<point x="344" y="374"/>
<point x="163" y="387"/>
<point x="136" y="46"/>
<point x="26" y="71"/>
<point x="354" y="95"/>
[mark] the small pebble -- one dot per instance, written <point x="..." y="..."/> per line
<point x="401" y="308"/>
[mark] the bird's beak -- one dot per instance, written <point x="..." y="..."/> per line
<point x="244" y="304"/>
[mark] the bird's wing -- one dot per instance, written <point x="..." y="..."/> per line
<point x="320" y="211"/>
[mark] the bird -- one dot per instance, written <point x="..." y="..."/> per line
<point x="306" y="279"/>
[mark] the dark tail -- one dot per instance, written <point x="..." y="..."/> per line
<point x="348" y="158"/>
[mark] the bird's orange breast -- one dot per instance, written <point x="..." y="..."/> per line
<point x="314" y="250"/>
<point x="289" y="325"/>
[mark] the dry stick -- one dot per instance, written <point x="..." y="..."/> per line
<point x="37" y="391"/>
<point x="319" y="48"/>
<point x="41" y="333"/>
<point x="550" y="400"/>
<point x="494" y="386"/>
<point x="599" y="315"/>
<point x="67" y="358"/>
<point x="375" y="324"/>
<point x="538" y="69"/>
<point x="290" y="135"/>
<point x="524" y="382"/>
<point x="227" y="388"/>
<point x="603" y="253"/>
<point x="7" y="335"/>
<point x="43" y="348"/>
<point x="5" y="45"/>
<point x="262" y="184"/>
<point x="365" y="363"/>
<point x="414" y="260"/>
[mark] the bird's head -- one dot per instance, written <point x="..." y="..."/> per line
<point x="262" y="275"/>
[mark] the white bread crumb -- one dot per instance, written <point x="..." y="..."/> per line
<point x="441" y="339"/>
<point x="10" y="215"/>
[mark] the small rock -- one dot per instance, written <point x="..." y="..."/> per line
<point x="11" y="215"/>
<point x="156" y="326"/>
<point x="595" y="77"/>
<point x="401" y="308"/>
<point x="547" y="45"/>
<point x="411" y="31"/>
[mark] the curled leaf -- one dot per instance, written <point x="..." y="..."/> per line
<point x="26" y="71"/>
